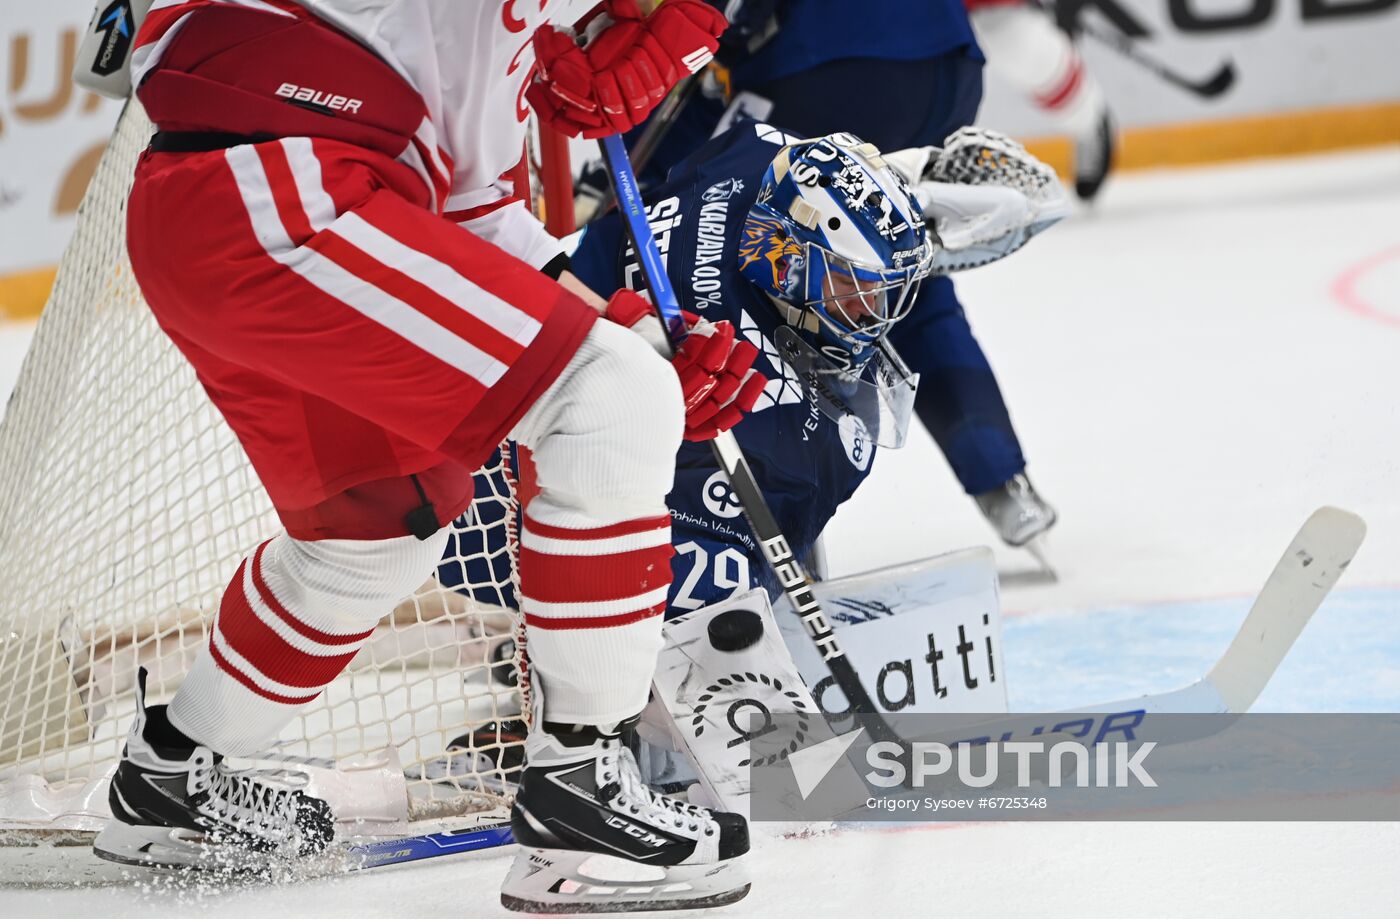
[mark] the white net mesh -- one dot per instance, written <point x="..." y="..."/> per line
<point x="125" y="506"/>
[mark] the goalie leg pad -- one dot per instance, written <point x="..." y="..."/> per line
<point x="723" y="674"/>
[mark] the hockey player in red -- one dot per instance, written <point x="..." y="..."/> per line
<point x="323" y="227"/>
<point x="1027" y="50"/>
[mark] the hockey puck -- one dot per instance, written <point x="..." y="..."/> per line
<point x="735" y="630"/>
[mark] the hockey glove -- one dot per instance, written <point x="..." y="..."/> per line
<point x="986" y="195"/>
<point x="626" y="65"/>
<point x="718" y="381"/>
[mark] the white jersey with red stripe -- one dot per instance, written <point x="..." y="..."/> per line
<point x="469" y="61"/>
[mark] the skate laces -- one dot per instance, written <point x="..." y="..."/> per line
<point x="262" y="803"/>
<point x="637" y="797"/>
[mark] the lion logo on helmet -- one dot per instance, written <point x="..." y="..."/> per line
<point x="766" y="239"/>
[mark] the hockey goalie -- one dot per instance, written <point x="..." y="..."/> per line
<point x="805" y="248"/>
<point x="813" y="250"/>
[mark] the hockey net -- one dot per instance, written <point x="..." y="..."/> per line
<point x="126" y="504"/>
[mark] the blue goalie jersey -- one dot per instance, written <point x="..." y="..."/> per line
<point x="806" y="463"/>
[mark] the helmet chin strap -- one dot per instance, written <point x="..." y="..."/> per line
<point x="802" y="319"/>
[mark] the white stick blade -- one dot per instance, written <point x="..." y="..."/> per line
<point x="1300" y="581"/>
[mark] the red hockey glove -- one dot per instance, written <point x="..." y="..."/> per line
<point x="717" y="379"/>
<point x="611" y="84"/>
<point x="716" y="371"/>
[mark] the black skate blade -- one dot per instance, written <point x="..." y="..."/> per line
<point x="516" y="904"/>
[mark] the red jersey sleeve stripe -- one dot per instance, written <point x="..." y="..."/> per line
<point x="474" y="213"/>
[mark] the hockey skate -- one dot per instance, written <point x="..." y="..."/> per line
<point x="181" y="807"/>
<point x="594" y="838"/>
<point x="1020" y="516"/>
<point x="1093" y="158"/>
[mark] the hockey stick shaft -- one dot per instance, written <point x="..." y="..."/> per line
<point x="1209" y="88"/>
<point x="776" y="548"/>
<point x="406" y="849"/>
<point x="1125" y="45"/>
<point x="658" y="126"/>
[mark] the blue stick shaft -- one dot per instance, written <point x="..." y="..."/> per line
<point x="431" y="845"/>
<point x="629" y="202"/>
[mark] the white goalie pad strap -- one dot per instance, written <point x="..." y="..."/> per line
<point x="722" y="675"/>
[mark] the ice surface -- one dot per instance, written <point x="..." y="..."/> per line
<point x="1193" y="366"/>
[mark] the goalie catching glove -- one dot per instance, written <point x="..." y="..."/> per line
<point x="626" y="65"/>
<point x="716" y="371"/>
<point x="986" y="194"/>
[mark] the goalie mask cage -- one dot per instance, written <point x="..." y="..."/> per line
<point x="125" y="506"/>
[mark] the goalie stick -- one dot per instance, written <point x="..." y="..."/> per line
<point x="1310" y="566"/>
<point x="1322" y="549"/>
<point x="797" y="585"/>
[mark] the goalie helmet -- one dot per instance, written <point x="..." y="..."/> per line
<point x="837" y="240"/>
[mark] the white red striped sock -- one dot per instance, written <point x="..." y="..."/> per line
<point x="593" y="599"/>
<point x="289" y="623"/>
<point x="266" y="648"/>
<point x="1073" y="98"/>
<point x="1025" y="48"/>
